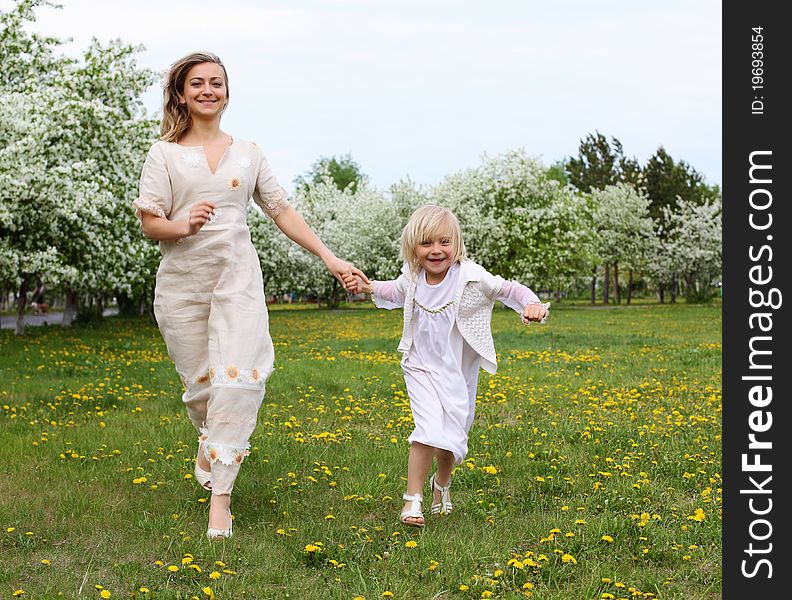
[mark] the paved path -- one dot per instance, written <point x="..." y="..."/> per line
<point x="31" y="320"/>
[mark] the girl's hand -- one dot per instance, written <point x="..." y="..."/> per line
<point x="199" y="216"/>
<point x="340" y="268"/>
<point x="533" y="312"/>
<point x="355" y="284"/>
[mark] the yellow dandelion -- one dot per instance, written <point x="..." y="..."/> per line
<point x="105" y="594"/>
<point x="44" y="561"/>
<point x="464" y="588"/>
<point x="11" y="530"/>
<point x="173" y="568"/>
<point x="411" y="544"/>
<point x="144" y="590"/>
<point x="208" y="591"/>
<point x="568" y="558"/>
<point x="607" y="538"/>
<point x="214" y="575"/>
<point x="387" y="594"/>
<point x="18" y="592"/>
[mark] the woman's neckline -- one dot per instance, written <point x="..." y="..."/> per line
<point x="231" y="143"/>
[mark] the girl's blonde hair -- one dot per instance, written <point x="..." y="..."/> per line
<point x="426" y="223"/>
<point x="175" y="115"/>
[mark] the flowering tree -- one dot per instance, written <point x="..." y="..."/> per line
<point x="360" y="226"/>
<point x="622" y="231"/>
<point x="74" y="137"/>
<point x="692" y="247"/>
<point x="519" y="222"/>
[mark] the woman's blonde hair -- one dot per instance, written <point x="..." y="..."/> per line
<point x="175" y="115"/>
<point x="426" y="223"/>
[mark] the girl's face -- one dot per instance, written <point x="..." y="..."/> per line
<point x="435" y="255"/>
<point x="205" y="92"/>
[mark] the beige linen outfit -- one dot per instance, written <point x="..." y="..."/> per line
<point x="209" y="296"/>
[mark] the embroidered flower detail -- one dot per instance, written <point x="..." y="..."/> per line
<point x="274" y="202"/>
<point x="237" y="377"/>
<point x="145" y="205"/>
<point x="212" y="373"/>
<point x="202" y="379"/>
<point x="227" y="454"/>
<point x="239" y="455"/>
<point x="244" y="162"/>
<point x="191" y="158"/>
<point x="214" y="216"/>
<point x="234" y="183"/>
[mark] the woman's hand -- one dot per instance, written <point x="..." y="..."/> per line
<point x="340" y="268"/>
<point x="200" y="214"/>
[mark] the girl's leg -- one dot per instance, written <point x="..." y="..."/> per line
<point x="445" y="464"/>
<point x="417" y="468"/>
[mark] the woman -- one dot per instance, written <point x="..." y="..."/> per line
<point x="209" y="299"/>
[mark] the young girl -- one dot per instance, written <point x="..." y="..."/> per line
<point x="447" y="302"/>
<point x="209" y="297"/>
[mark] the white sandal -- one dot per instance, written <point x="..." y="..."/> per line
<point x="219" y="534"/>
<point x="414" y="512"/>
<point x="204" y="478"/>
<point x="443" y="507"/>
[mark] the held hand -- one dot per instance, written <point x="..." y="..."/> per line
<point x="533" y="312"/>
<point x="340" y="268"/>
<point x="200" y="214"/>
<point x="355" y="284"/>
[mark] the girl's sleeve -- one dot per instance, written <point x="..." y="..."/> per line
<point x="389" y="294"/>
<point x="155" y="195"/>
<point x="516" y="296"/>
<point x="268" y="193"/>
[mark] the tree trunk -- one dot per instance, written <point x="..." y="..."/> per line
<point x="673" y="291"/>
<point x="616" y="289"/>
<point x="594" y="285"/>
<point x="99" y="306"/>
<point x="22" y="305"/>
<point x="606" y="286"/>
<point x="661" y="293"/>
<point x="629" y="286"/>
<point x="69" y="308"/>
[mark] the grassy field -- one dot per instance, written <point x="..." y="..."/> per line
<point x="593" y="473"/>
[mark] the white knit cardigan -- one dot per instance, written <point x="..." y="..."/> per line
<point x="474" y="299"/>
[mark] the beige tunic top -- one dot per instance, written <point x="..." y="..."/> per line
<point x="209" y="298"/>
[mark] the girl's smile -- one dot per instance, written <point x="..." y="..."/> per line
<point x="435" y="256"/>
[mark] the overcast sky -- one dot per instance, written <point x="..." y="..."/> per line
<point x="423" y="89"/>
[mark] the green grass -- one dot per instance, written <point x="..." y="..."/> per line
<point x="604" y="422"/>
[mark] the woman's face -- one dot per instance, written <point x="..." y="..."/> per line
<point x="205" y="92"/>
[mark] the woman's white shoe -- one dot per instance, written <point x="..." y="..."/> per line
<point x="219" y="534"/>
<point x="204" y="478"/>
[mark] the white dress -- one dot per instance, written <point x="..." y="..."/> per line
<point x="440" y="369"/>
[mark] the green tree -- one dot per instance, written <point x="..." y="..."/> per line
<point x="598" y="164"/>
<point x="342" y="171"/>
<point x="667" y="181"/>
